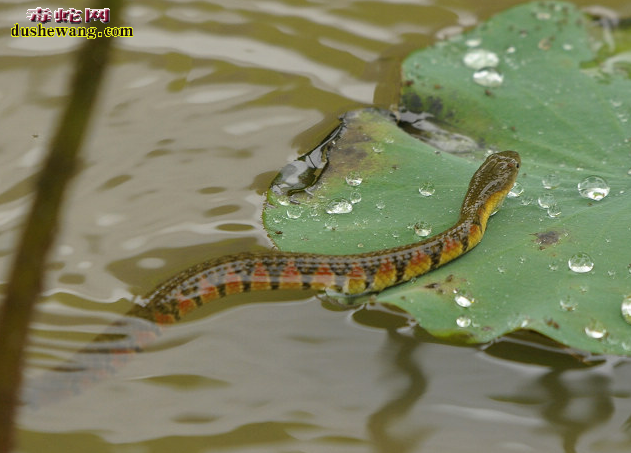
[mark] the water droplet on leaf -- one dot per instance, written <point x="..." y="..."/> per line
<point x="488" y="77"/>
<point x="463" y="321"/>
<point x="463" y="300"/>
<point x="354" y="178"/>
<point x="294" y="211"/>
<point x="339" y="206"/>
<point x="331" y="223"/>
<point x="594" y="188"/>
<point x="422" y="229"/>
<point x="596" y="330"/>
<point x="427" y="189"/>
<point x="516" y="190"/>
<point x="625" y="308"/>
<point x="580" y="263"/>
<point x="473" y="42"/>
<point x="283" y="200"/>
<point x="567" y="304"/>
<point x="546" y="200"/>
<point x="551" y="181"/>
<point x="553" y="211"/>
<point x="355" y="197"/>
<point x="481" y="58"/>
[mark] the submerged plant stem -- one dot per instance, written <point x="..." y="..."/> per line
<point x="25" y="280"/>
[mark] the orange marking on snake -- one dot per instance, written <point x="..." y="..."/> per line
<point x="323" y="277"/>
<point x="233" y="282"/>
<point x="186" y="305"/>
<point x="355" y="280"/>
<point x="162" y="318"/>
<point x="260" y="279"/>
<point x="386" y="275"/>
<point x="290" y="277"/>
<point x="208" y="291"/>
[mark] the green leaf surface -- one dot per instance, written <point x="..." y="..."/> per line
<point x="566" y="108"/>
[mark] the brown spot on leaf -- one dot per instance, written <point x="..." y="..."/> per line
<point x="552" y="323"/>
<point x="547" y="238"/>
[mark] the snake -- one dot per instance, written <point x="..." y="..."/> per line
<point x="350" y="275"/>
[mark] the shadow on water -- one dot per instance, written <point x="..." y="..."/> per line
<point x="574" y="393"/>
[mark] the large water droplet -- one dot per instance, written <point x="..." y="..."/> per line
<point x="551" y="181"/>
<point x="546" y="200"/>
<point x="339" y="206"/>
<point x="463" y="321"/>
<point x="594" y="188"/>
<point x="596" y="330"/>
<point x="427" y="189"/>
<point x="516" y="190"/>
<point x="463" y="300"/>
<point x="625" y="308"/>
<point x="481" y="58"/>
<point x="422" y="229"/>
<point x="580" y="263"/>
<point x="354" y="178"/>
<point x="488" y="77"/>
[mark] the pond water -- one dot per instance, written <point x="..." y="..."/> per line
<point x="199" y="111"/>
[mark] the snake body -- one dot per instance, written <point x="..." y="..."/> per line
<point x="347" y="274"/>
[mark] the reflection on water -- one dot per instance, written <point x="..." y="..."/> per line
<point x="201" y="109"/>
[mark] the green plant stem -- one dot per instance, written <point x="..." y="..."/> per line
<point x="26" y="275"/>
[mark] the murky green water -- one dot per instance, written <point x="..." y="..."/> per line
<point x="200" y="110"/>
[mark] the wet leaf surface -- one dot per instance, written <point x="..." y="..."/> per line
<point x="563" y="270"/>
